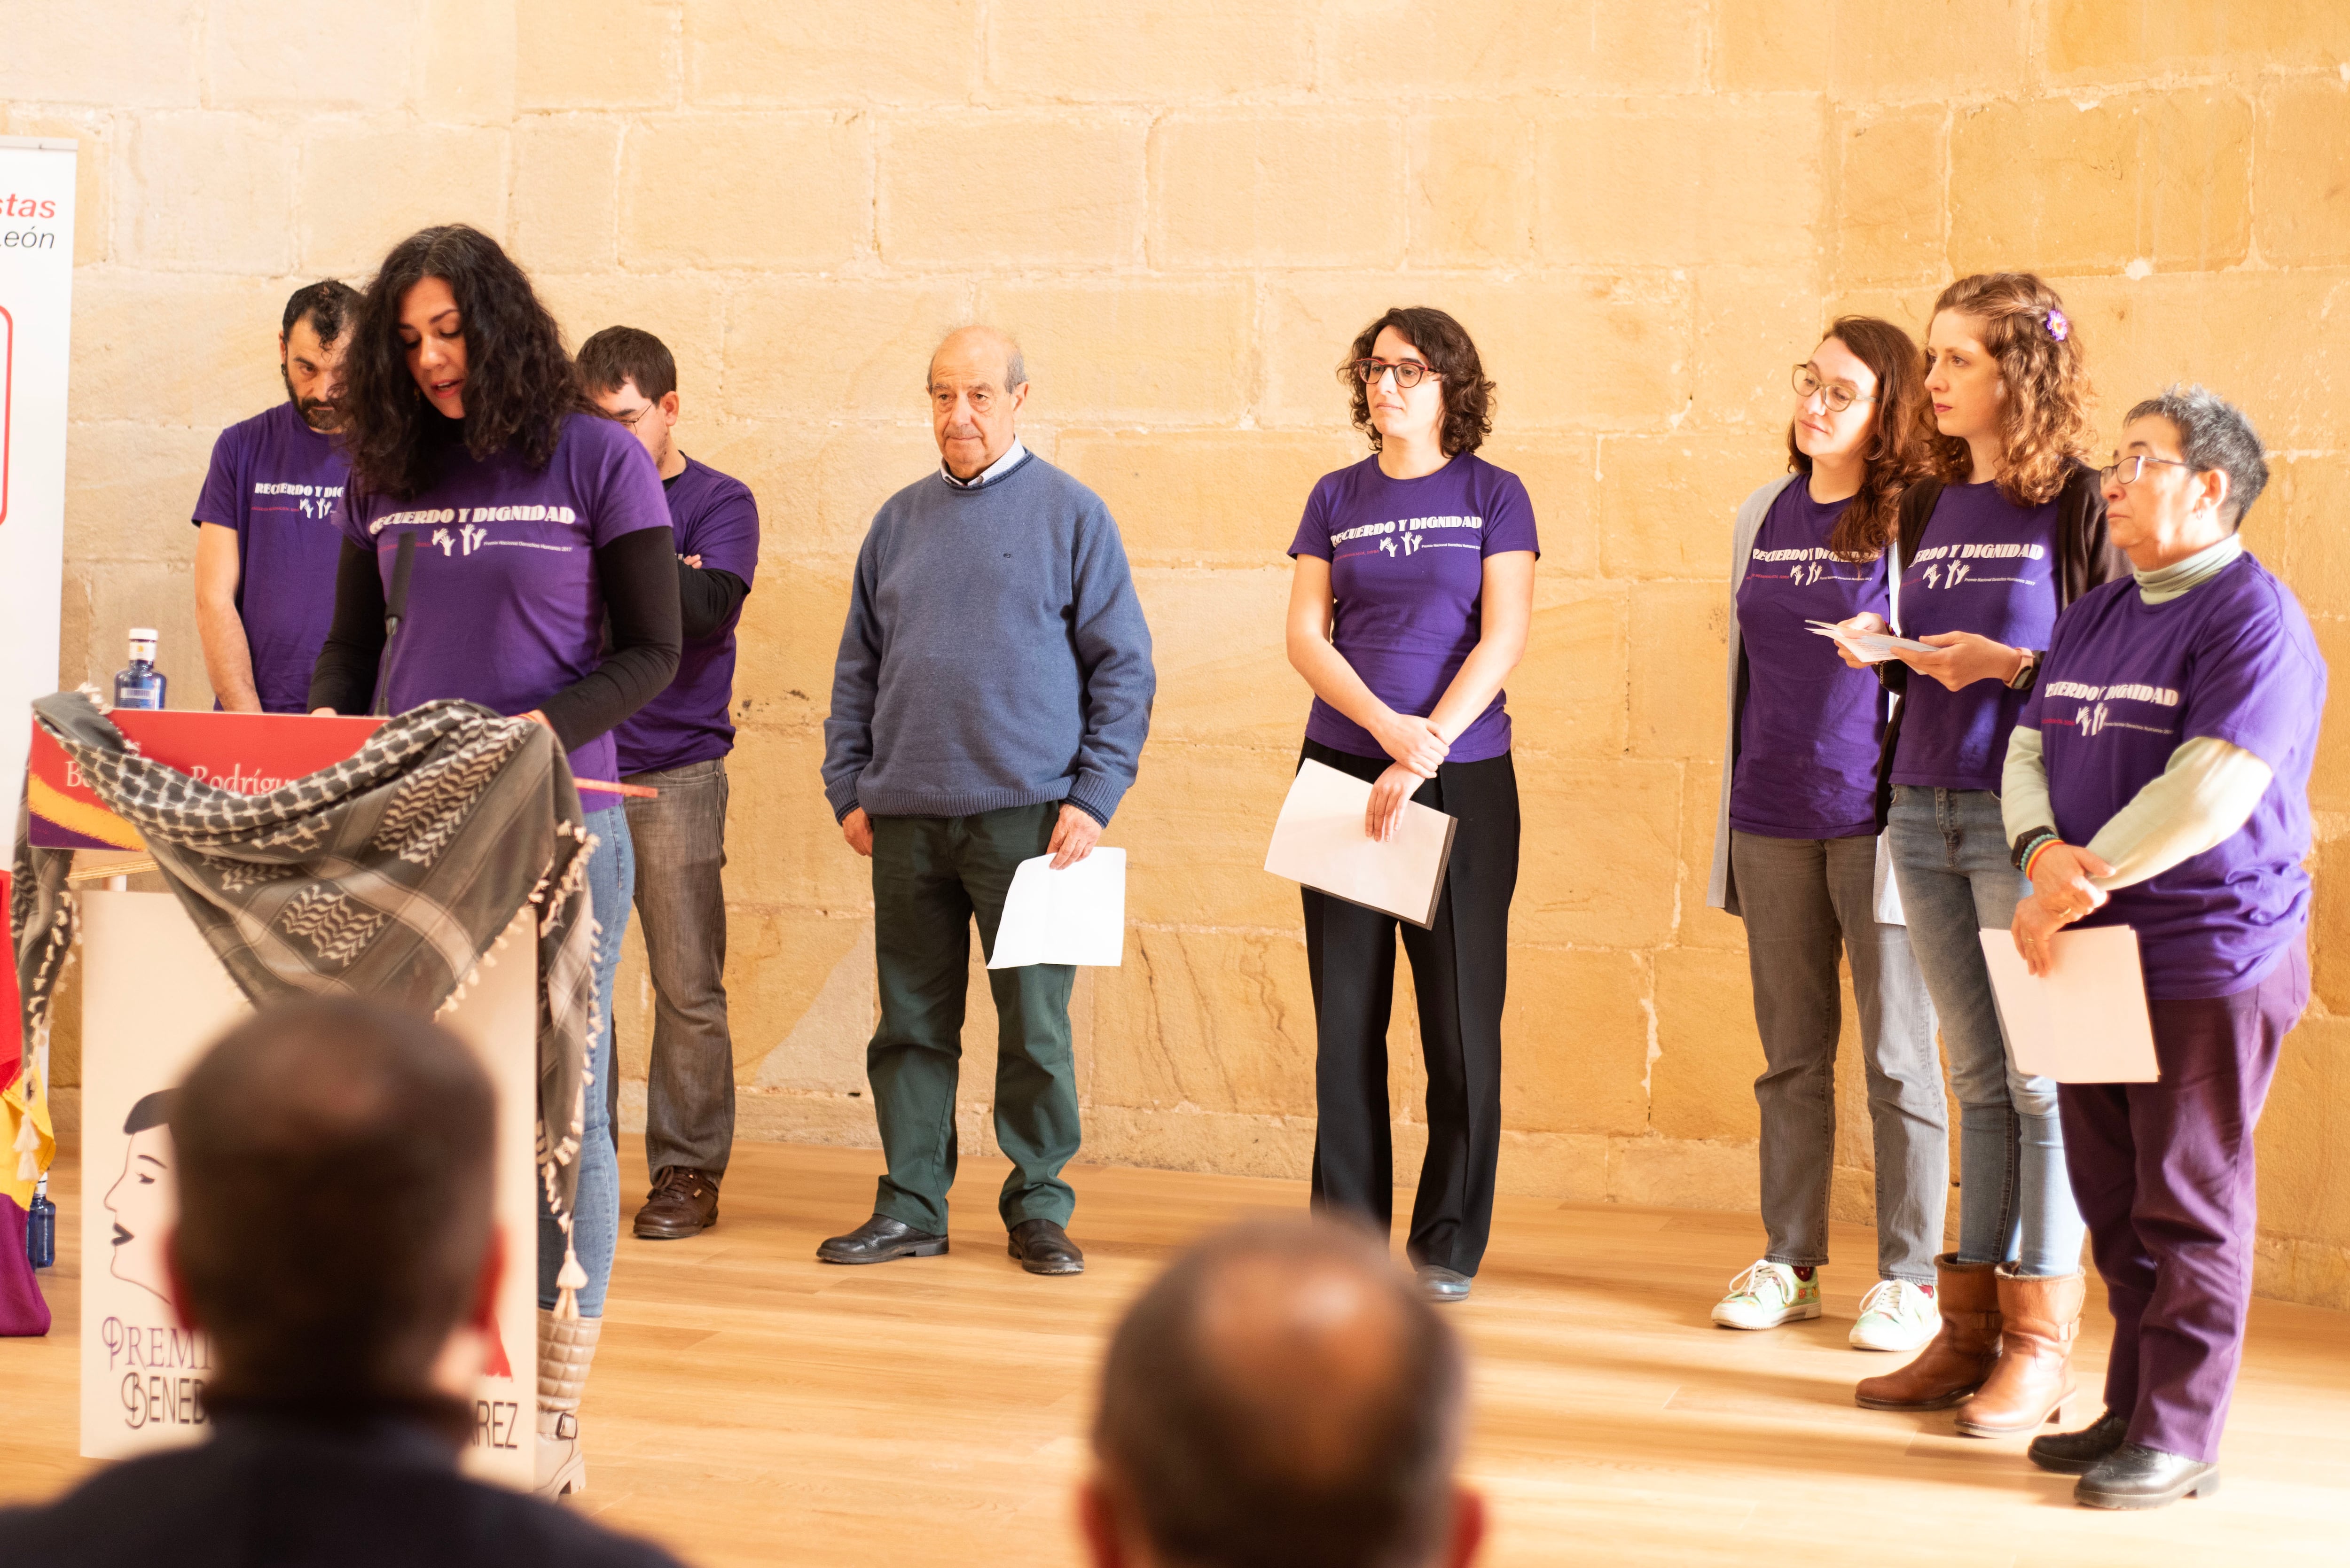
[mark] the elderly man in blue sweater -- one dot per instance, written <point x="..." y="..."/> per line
<point x="989" y="706"/>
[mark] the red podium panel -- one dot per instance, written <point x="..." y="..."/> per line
<point x="252" y="753"/>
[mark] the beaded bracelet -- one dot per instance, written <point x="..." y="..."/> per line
<point x="2032" y="855"/>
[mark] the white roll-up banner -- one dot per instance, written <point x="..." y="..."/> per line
<point x="37" y="242"/>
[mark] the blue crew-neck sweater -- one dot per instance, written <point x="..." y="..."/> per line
<point x="996" y="654"/>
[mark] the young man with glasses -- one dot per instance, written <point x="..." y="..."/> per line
<point x="677" y="745"/>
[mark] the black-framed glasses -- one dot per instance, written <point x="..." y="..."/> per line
<point x="1838" y="397"/>
<point x="1409" y="373"/>
<point x="2129" y="469"/>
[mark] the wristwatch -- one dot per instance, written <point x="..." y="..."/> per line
<point x="2021" y="853"/>
<point x="2022" y="679"/>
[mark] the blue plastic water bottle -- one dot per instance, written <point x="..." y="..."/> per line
<point x="142" y="685"/>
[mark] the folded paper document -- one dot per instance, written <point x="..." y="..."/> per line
<point x="1869" y="647"/>
<point x="1072" y="915"/>
<point x="1320" y="841"/>
<point x="2084" y="1022"/>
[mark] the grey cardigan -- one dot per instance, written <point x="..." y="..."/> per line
<point x="1720" y="893"/>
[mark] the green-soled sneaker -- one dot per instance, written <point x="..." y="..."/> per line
<point x="1767" y="1295"/>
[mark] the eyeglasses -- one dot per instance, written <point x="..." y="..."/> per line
<point x="1838" y="398"/>
<point x="630" y="418"/>
<point x="2128" y="470"/>
<point x="1409" y="373"/>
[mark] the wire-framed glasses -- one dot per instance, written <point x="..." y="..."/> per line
<point x="2128" y="469"/>
<point x="1407" y="372"/>
<point x="1838" y="396"/>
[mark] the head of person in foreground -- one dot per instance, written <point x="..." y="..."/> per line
<point x="335" y="1234"/>
<point x="1282" y="1397"/>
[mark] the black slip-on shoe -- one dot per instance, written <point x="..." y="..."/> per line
<point x="2077" y="1453"/>
<point x="880" y="1240"/>
<point x="1043" y="1248"/>
<point x="1441" y="1285"/>
<point x="2134" y="1476"/>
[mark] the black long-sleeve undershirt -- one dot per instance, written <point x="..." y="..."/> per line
<point x="706" y="597"/>
<point x="641" y="599"/>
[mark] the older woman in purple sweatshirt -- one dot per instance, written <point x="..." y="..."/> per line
<point x="989" y="706"/>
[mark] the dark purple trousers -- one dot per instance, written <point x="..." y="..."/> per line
<point x="2164" y="1176"/>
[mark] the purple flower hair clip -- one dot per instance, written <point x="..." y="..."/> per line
<point x="2059" y="327"/>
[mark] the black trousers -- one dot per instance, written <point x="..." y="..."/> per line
<point x="1459" y="969"/>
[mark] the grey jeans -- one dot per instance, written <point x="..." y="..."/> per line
<point x="681" y="842"/>
<point x="1803" y="900"/>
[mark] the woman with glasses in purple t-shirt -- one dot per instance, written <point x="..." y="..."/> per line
<point x="2003" y="532"/>
<point x="1413" y="591"/>
<point x="1797" y="853"/>
<point x="2158" y="779"/>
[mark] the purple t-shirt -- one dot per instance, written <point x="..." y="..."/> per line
<point x="275" y="481"/>
<point x="1810" y="728"/>
<point x="1407" y="577"/>
<point x="1989" y="567"/>
<point x="713" y="518"/>
<point x="2125" y="685"/>
<point x="503" y="608"/>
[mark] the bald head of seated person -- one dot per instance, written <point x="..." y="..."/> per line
<point x="335" y="1246"/>
<point x="1282" y="1397"/>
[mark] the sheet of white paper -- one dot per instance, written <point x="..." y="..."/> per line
<point x="1870" y="648"/>
<point x="2084" y="1022"/>
<point x="1073" y="915"/>
<point x="1319" y="841"/>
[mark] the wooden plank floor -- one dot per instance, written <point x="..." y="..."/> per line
<point x="752" y="1406"/>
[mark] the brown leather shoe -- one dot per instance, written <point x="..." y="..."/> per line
<point x="2039" y="1317"/>
<point x="683" y="1202"/>
<point x="1956" y="1361"/>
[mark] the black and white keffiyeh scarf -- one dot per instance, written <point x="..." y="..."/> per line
<point x="391" y="875"/>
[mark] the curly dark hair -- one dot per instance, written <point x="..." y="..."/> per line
<point x="1445" y="344"/>
<point x="1895" y="454"/>
<point x="2045" y="426"/>
<point x="520" y="383"/>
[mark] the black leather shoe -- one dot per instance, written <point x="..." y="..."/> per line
<point x="2136" y="1477"/>
<point x="683" y="1202"/>
<point x="1043" y="1248"/>
<point x="878" y="1240"/>
<point x="2075" y="1453"/>
<point x="1441" y="1285"/>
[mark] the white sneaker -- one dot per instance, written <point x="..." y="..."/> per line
<point x="1767" y="1295"/>
<point x="1896" y="1315"/>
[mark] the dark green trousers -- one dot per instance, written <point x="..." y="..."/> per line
<point x="930" y="875"/>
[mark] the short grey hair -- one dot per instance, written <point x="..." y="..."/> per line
<point x="2213" y="433"/>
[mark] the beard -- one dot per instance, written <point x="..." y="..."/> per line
<point x="319" y="413"/>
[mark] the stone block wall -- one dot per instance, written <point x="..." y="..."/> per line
<point x="1645" y="210"/>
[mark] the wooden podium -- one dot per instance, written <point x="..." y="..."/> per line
<point x="154" y="996"/>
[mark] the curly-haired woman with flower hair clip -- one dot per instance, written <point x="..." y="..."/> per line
<point x="2008" y="528"/>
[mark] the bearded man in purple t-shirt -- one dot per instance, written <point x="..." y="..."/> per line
<point x="266" y="543"/>
<point x="677" y="745"/>
<point x="2158" y="779"/>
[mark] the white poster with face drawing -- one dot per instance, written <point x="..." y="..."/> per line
<point x="152" y="998"/>
<point x="36" y="234"/>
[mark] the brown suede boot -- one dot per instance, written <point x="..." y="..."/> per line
<point x="2039" y="1317"/>
<point x="1960" y="1357"/>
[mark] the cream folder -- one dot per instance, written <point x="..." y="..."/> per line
<point x="2084" y="1022"/>
<point x="1319" y="840"/>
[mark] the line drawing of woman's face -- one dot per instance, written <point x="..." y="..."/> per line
<point x="143" y="1199"/>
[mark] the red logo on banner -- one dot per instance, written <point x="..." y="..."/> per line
<point x="252" y="753"/>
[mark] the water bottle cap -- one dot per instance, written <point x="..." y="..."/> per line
<point x="142" y="634"/>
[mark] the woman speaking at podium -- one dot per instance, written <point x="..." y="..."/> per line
<point x="2158" y="779"/>
<point x="526" y="518"/>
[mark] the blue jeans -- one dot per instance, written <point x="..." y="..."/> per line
<point x="2015" y="1201"/>
<point x="595" y="1212"/>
